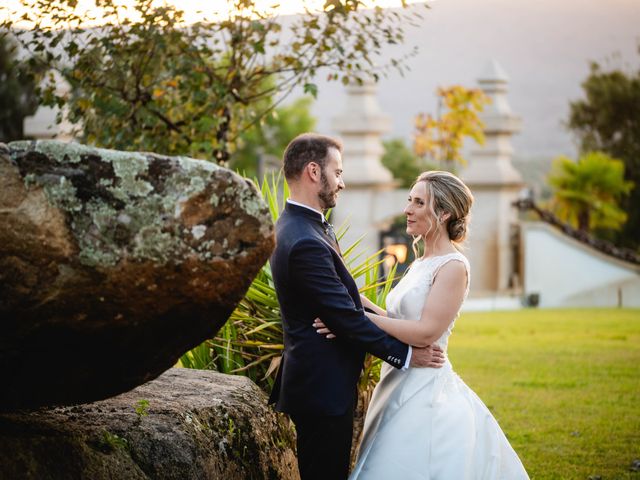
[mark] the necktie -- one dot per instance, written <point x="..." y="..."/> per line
<point x="328" y="229"/>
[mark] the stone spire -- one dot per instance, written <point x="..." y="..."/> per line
<point x="361" y="126"/>
<point x="490" y="164"/>
<point x="495" y="185"/>
<point x="370" y="202"/>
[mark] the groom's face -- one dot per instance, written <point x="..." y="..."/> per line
<point x="331" y="179"/>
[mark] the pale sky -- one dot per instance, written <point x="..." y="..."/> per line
<point x="196" y="10"/>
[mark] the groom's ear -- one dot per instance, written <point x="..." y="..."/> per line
<point x="312" y="170"/>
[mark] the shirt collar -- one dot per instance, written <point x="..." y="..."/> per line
<point x="322" y="217"/>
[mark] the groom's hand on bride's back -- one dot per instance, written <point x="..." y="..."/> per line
<point x="431" y="356"/>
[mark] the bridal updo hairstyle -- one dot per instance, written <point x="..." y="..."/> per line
<point x="448" y="194"/>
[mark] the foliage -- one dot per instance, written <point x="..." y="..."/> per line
<point x="251" y="341"/>
<point x="587" y="193"/>
<point x="198" y="357"/>
<point x="17" y="91"/>
<point x="111" y="442"/>
<point x="269" y="139"/>
<point x="144" y="79"/>
<point x="563" y="384"/>
<point x="403" y="163"/>
<point x="142" y="408"/>
<point x="440" y="139"/>
<point x="608" y="119"/>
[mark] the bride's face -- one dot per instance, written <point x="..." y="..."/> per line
<point x="420" y="219"/>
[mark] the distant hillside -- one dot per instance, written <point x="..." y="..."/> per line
<point x="534" y="171"/>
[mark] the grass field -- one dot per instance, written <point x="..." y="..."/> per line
<point x="563" y="384"/>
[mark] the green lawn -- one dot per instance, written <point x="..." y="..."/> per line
<point x="563" y="384"/>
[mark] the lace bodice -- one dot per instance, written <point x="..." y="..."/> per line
<point x="407" y="298"/>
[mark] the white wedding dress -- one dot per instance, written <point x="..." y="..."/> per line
<point x="425" y="423"/>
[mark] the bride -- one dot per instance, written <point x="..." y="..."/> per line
<point x="425" y="423"/>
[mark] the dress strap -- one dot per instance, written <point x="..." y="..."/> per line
<point x="439" y="262"/>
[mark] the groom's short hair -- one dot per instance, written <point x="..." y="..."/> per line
<point x="307" y="148"/>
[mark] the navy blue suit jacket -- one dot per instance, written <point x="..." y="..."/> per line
<point x="318" y="375"/>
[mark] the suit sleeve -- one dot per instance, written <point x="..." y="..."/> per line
<point x="312" y="270"/>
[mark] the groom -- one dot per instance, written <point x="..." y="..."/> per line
<point x="317" y="377"/>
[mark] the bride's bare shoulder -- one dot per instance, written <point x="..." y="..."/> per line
<point x="453" y="270"/>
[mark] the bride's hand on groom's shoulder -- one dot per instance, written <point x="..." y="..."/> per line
<point x="322" y="329"/>
<point x="431" y="356"/>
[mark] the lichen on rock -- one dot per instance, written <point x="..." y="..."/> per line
<point x="129" y="190"/>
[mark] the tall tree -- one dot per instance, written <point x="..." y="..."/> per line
<point x="144" y="79"/>
<point x="17" y="91"/>
<point x="587" y="193"/>
<point x="403" y="163"/>
<point x="608" y="119"/>
<point x="440" y="138"/>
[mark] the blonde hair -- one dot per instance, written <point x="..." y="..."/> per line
<point x="447" y="194"/>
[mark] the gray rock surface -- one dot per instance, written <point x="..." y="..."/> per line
<point x="113" y="264"/>
<point x="186" y="424"/>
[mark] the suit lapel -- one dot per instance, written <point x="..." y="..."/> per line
<point x="333" y="246"/>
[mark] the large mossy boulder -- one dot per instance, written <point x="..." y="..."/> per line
<point x="186" y="424"/>
<point x="113" y="264"/>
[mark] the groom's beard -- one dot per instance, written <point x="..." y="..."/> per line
<point x="326" y="195"/>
